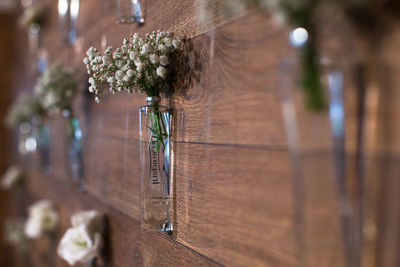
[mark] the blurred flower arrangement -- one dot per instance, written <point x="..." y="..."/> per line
<point x="43" y="218"/>
<point x="141" y="65"/>
<point x="12" y="178"/>
<point x="83" y="242"/>
<point x="55" y="89"/>
<point x="32" y="16"/>
<point x="14" y="232"/>
<point x="24" y="109"/>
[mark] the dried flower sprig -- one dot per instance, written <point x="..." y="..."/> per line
<point x="139" y="65"/>
<point x="56" y="89"/>
<point x="26" y="107"/>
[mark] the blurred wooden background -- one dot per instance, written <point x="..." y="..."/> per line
<point x="240" y="200"/>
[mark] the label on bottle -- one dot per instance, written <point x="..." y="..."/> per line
<point x="155" y="170"/>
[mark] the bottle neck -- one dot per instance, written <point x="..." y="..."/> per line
<point x="153" y="100"/>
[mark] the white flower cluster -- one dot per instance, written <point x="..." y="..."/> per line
<point x="83" y="241"/>
<point x="55" y="89"/>
<point x="140" y="65"/>
<point x="42" y="218"/>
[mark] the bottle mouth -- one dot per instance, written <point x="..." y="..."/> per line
<point x="153" y="99"/>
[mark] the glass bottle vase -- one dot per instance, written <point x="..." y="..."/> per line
<point x="155" y="172"/>
<point x="75" y="154"/>
<point x="130" y="11"/>
<point x="42" y="135"/>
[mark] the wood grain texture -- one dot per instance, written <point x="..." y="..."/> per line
<point x="237" y="200"/>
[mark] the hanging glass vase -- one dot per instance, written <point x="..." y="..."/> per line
<point x="130" y="11"/>
<point x="155" y="171"/>
<point x="74" y="143"/>
<point x="42" y="136"/>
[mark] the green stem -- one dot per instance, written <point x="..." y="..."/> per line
<point x="157" y="128"/>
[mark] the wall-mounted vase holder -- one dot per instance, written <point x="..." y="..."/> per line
<point x="155" y="162"/>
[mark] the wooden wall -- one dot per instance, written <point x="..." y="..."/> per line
<point x="241" y="200"/>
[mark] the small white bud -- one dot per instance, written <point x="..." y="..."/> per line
<point x="164" y="60"/>
<point x="132" y="55"/>
<point x="129" y="73"/>
<point x="161" y="71"/>
<point x="154" y="58"/>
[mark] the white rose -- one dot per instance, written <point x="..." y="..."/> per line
<point x="11" y="178"/>
<point x="79" y="245"/>
<point x="161" y="71"/>
<point x="42" y="218"/>
<point x="164" y="60"/>
<point x="154" y="58"/>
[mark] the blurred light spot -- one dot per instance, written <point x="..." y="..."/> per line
<point x="62" y="7"/>
<point x="25" y="128"/>
<point x="30" y="144"/>
<point x="74" y="9"/>
<point x="298" y="37"/>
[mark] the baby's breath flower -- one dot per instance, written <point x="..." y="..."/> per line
<point x="130" y="73"/>
<point x="176" y="43"/>
<point x="140" y="65"/>
<point x="161" y="71"/>
<point x="132" y="55"/>
<point x="145" y="49"/>
<point x="57" y="86"/>
<point x="154" y="58"/>
<point x="164" y="60"/>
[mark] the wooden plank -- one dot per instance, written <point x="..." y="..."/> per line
<point x="219" y="192"/>
<point x="227" y="105"/>
<point x="128" y="246"/>
<point x="231" y="200"/>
